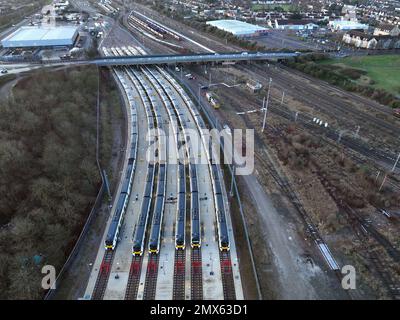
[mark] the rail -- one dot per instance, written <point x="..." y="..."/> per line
<point x="213" y="121"/>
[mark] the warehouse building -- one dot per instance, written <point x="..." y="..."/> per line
<point x="41" y="37"/>
<point x="239" y="28"/>
<point x="345" y="25"/>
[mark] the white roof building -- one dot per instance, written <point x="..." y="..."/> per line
<point x="238" y="28"/>
<point x="39" y="36"/>
<point x="343" y="25"/>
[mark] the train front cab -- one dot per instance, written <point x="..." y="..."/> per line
<point x="224" y="244"/>
<point x="137" y="249"/>
<point x="196" y="241"/>
<point x="154" y="248"/>
<point x="179" y="242"/>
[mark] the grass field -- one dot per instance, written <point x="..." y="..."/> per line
<point x="383" y="70"/>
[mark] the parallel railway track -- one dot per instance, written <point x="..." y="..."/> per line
<point x="228" y="284"/>
<point x="178" y="292"/>
<point x="103" y="275"/>
<point x="151" y="277"/>
<point x="196" y="273"/>
<point x="134" y="278"/>
<point x="318" y="99"/>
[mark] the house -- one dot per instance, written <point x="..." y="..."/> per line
<point x="369" y="41"/>
<point x="360" y="39"/>
<point x="385" y="29"/>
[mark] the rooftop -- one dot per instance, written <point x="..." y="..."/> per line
<point x="236" y="27"/>
<point x="41" y="36"/>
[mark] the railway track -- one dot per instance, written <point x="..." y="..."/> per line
<point x="227" y="277"/>
<point x="103" y="275"/>
<point x="146" y="80"/>
<point x="361" y="151"/>
<point x="228" y="284"/>
<point x="363" y="230"/>
<point x="134" y="278"/>
<point x="385" y="274"/>
<point x="151" y="277"/>
<point x="179" y="275"/>
<point x="366" y="233"/>
<point x="196" y="273"/>
<point x="318" y="99"/>
<point x="378" y="155"/>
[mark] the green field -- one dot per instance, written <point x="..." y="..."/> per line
<point x="382" y="71"/>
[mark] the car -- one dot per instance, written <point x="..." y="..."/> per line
<point x="3" y="70"/>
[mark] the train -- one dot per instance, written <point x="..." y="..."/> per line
<point x="154" y="27"/>
<point x="180" y="224"/>
<point x="213" y="101"/>
<point x="223" y="235"/>
<point x="175" y="113"/>
<point x="175" y="118"/>
<point x="140" y="230"/>
<point x="114" y="228"/>
<point x="195" y="231"/>
<point x="158" y="212"/>
<point x="195" y="235"/>
<point x="159" y="200"/>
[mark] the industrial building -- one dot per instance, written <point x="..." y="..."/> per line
<point x="345" y="25"/>
<point x="41" y="37"/>
<point x="239" y="28"/>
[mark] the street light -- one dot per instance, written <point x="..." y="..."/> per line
<point x="266" y="105"/>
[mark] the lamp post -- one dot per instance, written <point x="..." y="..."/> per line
<point x="266" y="105"/>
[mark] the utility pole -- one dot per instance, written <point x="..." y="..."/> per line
<point x="383" y="182"/>
<point x="233" y="177"/>
<point x="266" y="105"/>
<point x="395" y="163"/>
<point x="283" y="97"/>
<point x="296" y="116"/>
<point x="377" y="176"/>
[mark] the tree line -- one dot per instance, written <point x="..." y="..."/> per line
<point x="48" y="174"/>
